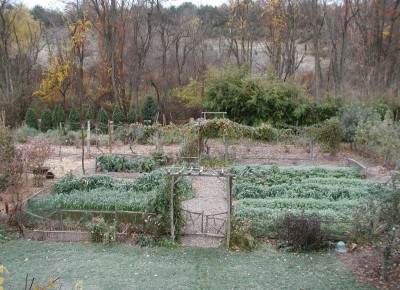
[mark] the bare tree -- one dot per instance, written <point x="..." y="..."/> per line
<point x="20" y="37"/>
<point x="140" y="35"/>
<point x="282" y="19"/>
<point x="339" y="17"/>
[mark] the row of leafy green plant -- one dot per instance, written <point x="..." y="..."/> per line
<point x="148" y="193"/>
<point x="121" y="163"/>
<point x="334" y="195"/>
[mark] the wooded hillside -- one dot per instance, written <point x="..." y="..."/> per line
<point x="108" y="53"/>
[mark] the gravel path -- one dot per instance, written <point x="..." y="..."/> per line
<point x="210" y="199"/>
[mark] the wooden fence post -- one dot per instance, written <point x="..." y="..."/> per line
<point x="229" y="212"/>
<point x="110" y="134"/>
<point x="60" y="222"/>
<point x="171" y="209"/>
<point x="83" y="149"/>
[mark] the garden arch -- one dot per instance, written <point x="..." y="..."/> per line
<point x="177" y="173"/>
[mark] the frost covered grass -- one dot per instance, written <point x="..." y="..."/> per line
<point x="127" y="267"/>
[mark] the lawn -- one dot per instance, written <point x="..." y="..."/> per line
<point x="128" y="267"/>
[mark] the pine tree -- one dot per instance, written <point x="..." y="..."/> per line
<point x="131" y="117"/>
<point x="102" y="120"/>
<point x="74" y="120"/>
<point x="31" y="119"/>
<point x="47" y="120"/>
<point x="149" y="109"/>
<point x="89" y="116"/>
<point x="58" y="116"/>
<point x="118" y="117"/>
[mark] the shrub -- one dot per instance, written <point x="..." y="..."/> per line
<point x="11" y="164"/>
<point x="171" y="134"/>
<point x="74" y="120"/>
<point x="161" y="207"/>
<point x="161" y="158"/>
<point x="149" y="109"/>
<point x="141" y="134"/>
<point x="241" y="237"/>
<point x="253" y="101"/>
<point x="102" y="232"/>
<point x="301" y="232"/>
<point x="118" y="117"/>
<point x="380" y="139"/>
<point x="102" y="120"/>
<point x="123" y="133"/>
<point x="265" y="132"/>
<point x="329" y="134"/>
<point x="58" y="116"/>
<point x="351" y="116"/>
<point x="31" y="119"/>
<point x="24" y="133"/>
<point x="47" y="120"/>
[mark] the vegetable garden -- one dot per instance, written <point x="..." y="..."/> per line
<point x="266" y="193"/>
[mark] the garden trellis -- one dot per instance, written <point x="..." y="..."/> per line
<point x="177" y="173"/>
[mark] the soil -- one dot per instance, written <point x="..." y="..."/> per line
<point x="364" y="263"/>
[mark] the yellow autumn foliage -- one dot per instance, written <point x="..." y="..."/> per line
<point x="25" y="29"/>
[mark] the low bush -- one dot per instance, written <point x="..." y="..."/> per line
<point x="351" y="116"/>
<point x="142" y="134"/>
<point x="299" y="232"/>
<point x="171" y="134"/>
<point x="24" y="133"/>
<point x="102" y="232"/>
<point x="241" y="237"/>
<point x="161" y="158"/>
<point x="380" y="139"/>
<point x="328" y="134"/>
<point x="265" y="132"/>
<point x="123" y="133"/>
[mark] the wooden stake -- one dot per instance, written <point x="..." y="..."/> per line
<point x="110" y="133"/>
<point x="171" y="209"/>
<point x="60" y="136"/>
<point x="88" y="138"/>
<point x="226" y="149"/>
<point x="3" y="118"/>
<point x="83" y="149"/>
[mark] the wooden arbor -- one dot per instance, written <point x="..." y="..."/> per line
<point x="177" y="173"/>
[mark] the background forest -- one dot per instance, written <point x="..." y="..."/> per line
<point x="298" y="60"/>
